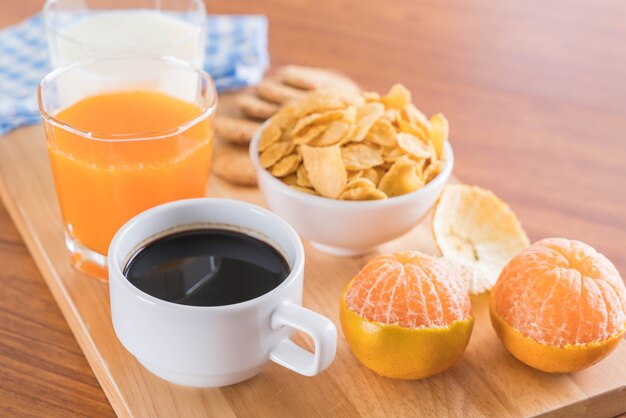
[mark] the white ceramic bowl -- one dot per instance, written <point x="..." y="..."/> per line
<point x="348" y="228"/>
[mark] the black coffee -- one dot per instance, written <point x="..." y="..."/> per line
<point x="207" y="267"/>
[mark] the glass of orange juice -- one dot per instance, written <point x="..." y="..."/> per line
<point x="124" y="134"/>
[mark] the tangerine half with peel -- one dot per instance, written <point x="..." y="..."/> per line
<point x="559" y="306"/>
<point x="406" y="316"/>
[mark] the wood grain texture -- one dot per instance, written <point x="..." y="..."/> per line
<point x="536" y="95"/>
<point x="486" y="381"/>
<point x="43" y="371"/>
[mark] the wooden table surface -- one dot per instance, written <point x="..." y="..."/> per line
<point x="536" y="95"/>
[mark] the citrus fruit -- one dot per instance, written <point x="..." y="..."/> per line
<point x="405" y="316"/>
<point x="477" y="233"/>
<point x="559" y="306"/>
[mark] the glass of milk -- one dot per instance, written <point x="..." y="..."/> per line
<point x="79" y="30"/>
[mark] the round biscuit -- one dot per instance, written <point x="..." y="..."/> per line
<point x="232" y="163"/>
<point x="277" y="92"/>
<point x="235" y="130"/>
<point x="310" y="78"/>
<point x="255" y="107"/>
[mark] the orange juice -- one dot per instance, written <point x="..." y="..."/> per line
<point x="141" y="154"/>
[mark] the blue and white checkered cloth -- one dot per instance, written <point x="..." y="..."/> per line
<point x="236" y="56"/>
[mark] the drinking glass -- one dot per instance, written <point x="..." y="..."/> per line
<point x="85" y="29"/>
<point x="107" y="166"/>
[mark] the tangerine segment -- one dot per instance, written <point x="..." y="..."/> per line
<point x="408" y="289"/>
<point x="550" y="358"/>
<point x="404" y="353"/>
<point x="562" y="292"/>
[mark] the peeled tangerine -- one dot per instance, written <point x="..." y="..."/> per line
<point x="559" y="306"/>
<point x="406" y="316"/>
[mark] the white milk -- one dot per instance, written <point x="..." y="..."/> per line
<point x="127" y="32"/>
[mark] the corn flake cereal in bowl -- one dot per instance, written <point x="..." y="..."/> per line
<point x="352" y="171"/>
<point x="336" y="141"/>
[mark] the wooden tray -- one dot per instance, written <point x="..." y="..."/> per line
<point x="486" y="381"/>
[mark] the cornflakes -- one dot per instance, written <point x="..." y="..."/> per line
<point x="354" y="147"/>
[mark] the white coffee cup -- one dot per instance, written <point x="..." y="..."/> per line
<point x="212" y="346"/>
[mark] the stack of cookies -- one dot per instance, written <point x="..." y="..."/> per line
<point x="241" y="114"/>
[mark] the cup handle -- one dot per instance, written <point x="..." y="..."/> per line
<point x="322" y="331"/>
